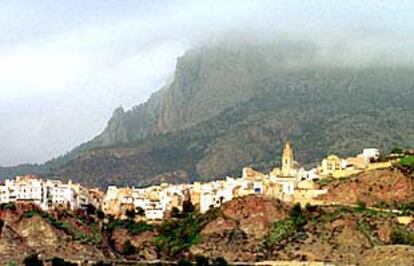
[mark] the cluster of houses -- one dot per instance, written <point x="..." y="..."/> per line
<point x="290" y="183"/>
<point x="47" y="194"/>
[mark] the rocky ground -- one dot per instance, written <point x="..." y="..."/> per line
<point x="247" y="229"/>
<point x="373" y="188"/>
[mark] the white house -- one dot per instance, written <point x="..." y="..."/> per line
<point x="46" y="194"/>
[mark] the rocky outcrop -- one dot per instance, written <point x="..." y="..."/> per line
<point x="238" y="231"/>
<point x="372" y="187"/>
<point x="38" y="233"/>
<point x="143" y="243"/>
<point x="116" y="130"/>
<point x="388" y="255"/>
<point x="254" y="215"/>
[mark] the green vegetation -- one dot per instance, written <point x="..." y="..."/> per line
<point x="201" y="260"/>
<point x="53" y="221"/>
<point x="407" y="161"/>
<point x="407" y="208"/>
<point x="402" y="237"/>
<point x="218" y="123"/>
<point x="397" y="150"/>
<point x="220" y="261"/>
<point x="176" y="236"/>
<point x="184" y="262"/>
<point x="365" y="227"/>
<point x="286" y="228"/>
<point x="32" y="260"/>
<point x="134" y="228"/>
<point x="361" y="206"/>
<point x="130" y="213"/>
<point x="281" y="230"/>
<point x="61" y="262"/>
<point x="128" y="248"/>
<point x="8" y="206"/>
<point x="1" y="225"/>
<point x="93" y="238"/>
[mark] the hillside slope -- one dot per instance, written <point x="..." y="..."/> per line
<point x="247" y="229"/>
<point x="320" y="111"/>
<point x="228" y="107"/>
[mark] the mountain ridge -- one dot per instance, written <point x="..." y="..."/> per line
<point x="231" y="107"/>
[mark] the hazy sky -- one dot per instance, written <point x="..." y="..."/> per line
<point x="66" y="65"/>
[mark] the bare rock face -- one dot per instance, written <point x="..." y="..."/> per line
<point x="38" y="233"/>
<point x="388" y="255"/>
<point x="255" y="215"/>
<point x="218" y="226"/>
<point x="237" y="233"/>
<point x="143" y="243"/>
<point x="372" y="187"/>
<point x="12" y="245"/>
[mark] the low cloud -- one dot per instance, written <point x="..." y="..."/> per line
<point x="65" y="65"/>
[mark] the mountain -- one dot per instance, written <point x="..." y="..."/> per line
<point x="233" y="106"/>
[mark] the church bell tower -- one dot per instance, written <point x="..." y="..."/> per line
<point x="287" y="159"/>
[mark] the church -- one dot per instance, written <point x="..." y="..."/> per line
<point x="290" y="174"/>
<point x="290" y="167"/>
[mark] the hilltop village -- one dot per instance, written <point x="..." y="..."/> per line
<point x="290" y="183"/>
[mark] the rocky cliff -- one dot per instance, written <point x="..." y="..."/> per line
<point x="240" y="231"/>
<point x="233" y="106"/>
<point x="389" y="187"/>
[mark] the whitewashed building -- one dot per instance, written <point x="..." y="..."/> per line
<point x="46" y="194"/>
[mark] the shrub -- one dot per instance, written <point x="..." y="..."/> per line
<point x="175" y="236"/>
<point x="201" y="260"/>
<point x="361" y="206"/>
<point x="220" y="261"/>
<point x="132" y="227"/>
<point x="1" y="225"/>
<point x="281" y="230"/>
<point x="297" y="216"/>
<point x="397" y="150"/>
<point x="140" y="211"/>
<point x="402" y="237"/>
<point x="130" y="213"/>
<point x="90" y="209"/>
<point x="286" y="228"/>
<point x="184" y="262"/>
<point x="32" y="260"/>
<point x="325" y="181"/>
<point x="188" y="207"/>
<point x="175" y="212"/>
<point x="310" y="208"/>
<point x="100" y="214"/>
<point x="128" y="248"/>
<point x="8" y="206"/>
<point x="61" y="262"/>
<point x="407" y="161"/>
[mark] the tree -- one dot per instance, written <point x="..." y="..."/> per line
<point x="140" y="211"/>
<point x="128" y="248"/>
<point x="201" y="260"/>
<point x="100" y="214"/>
<point x="61" y="262"/>
<point x="188" y="207"/>
<point x="90" y="209"/>
<point x="310" y="208"/>
<point x="297" y="216"/>
<point x="130" y="213"/>
<point x="32" y="260"/>
<point x="220" y="261"/>
<point x="184" y="262"/>
<point x="175" y="212"/>
<point x="1" y="225"/>
<point x="397" y="150"/>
